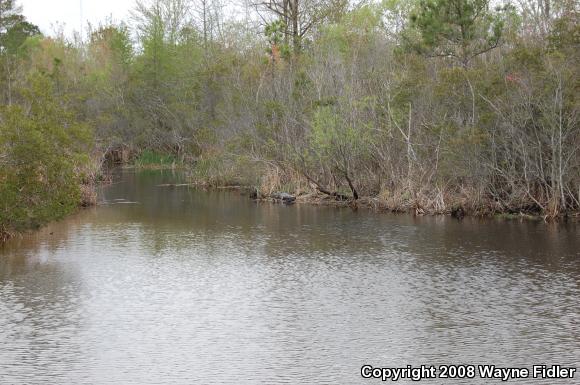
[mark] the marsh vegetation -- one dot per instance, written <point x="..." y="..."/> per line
<point x="426" y="106"/>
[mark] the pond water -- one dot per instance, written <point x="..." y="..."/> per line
<point x="175" y="285"/>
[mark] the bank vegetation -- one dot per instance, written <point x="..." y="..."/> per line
<point x="428" y="106"/>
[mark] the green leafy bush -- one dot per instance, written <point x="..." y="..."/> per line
<point x="151" y="158"/>
<point x="42" y="153"/>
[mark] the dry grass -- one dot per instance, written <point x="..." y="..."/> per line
<point x="405" y="197"/>
<point x="5" y="234"/>
<point x="88" y="195"/>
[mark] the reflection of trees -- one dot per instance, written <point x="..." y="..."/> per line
<point x="301" y="271"/>
<point x="212" y="217"/>
<point x="184" y="217"/>
<point x="39" y="304"/>
<point x="32" y="250"/>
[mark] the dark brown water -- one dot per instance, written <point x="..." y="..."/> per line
<point x="185" y="286"/>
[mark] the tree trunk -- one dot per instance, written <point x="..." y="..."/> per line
<point x="295" y="31"/>
<point x="352" y="188"/>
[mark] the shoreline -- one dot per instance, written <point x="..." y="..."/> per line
<point x="378" y="205"/>
<point x="374" y="204"/>
<point x="87" y="199"/>
<point x="425" y="201"/>
<point x="459" y="208"/>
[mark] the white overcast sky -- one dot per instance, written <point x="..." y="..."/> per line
<point x="49" y="13"/>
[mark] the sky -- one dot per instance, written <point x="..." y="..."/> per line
<point x="51" y="15"/>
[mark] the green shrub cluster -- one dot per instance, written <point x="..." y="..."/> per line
<point x="42" y="152"/>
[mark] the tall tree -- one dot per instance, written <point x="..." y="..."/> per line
<point x="9" y="15"/>
<point x="300" y="17"/>
<point x="14" y="30"/>
<point x="207" y="16"/>
<point x="460" y="29"/>
<point x="541" y="16"/>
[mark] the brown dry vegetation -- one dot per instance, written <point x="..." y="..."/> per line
<point x="435" y="106"/>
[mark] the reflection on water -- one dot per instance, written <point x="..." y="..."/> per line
<point x="172" y="285"/>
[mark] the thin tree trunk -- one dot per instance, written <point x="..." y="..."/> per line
<point x="295" y="32"/>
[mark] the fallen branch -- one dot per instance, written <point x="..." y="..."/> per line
<point x="323" y="190"/>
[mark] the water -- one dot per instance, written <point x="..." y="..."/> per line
<point x="173" y="285"/>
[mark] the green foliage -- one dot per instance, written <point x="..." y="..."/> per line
<point x="566" y="33"/>
<point x="13" y="27"/>
<point x="221" y="168"/>
<point x="326" y="129"/>
<point x="43" y="151"/>
<point x="461" y="29"/>
<point x="335" y="141"/>
<point x="275" y="32"/>
<point x="114" y="40"/>
<point x="16" y="35"/>
<point x="150" y="158"/>
<point x="355" y="30"/>
<point x="351" y="108"/>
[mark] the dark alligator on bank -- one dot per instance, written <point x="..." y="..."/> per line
<point x="283" y="197"/>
